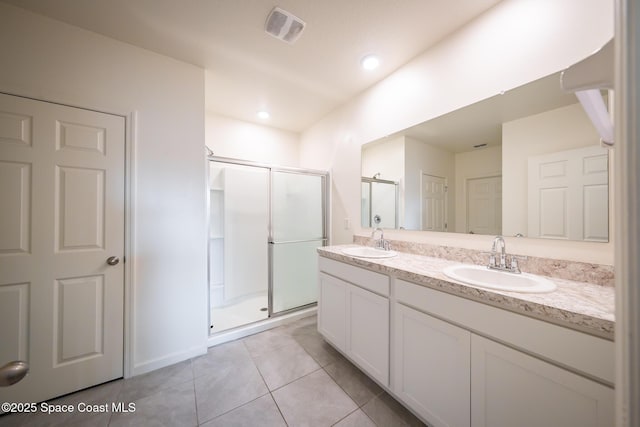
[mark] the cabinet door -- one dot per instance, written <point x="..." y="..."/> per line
<point x="431" y="367"/>
<point x="332" y="306"/>
<point x="510" y="388"/>
<point x="368" y="332"/>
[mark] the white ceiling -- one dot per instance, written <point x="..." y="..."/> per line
<point x="249" y="70"/>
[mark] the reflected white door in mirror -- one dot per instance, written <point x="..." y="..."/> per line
<point x="568" y="194"/>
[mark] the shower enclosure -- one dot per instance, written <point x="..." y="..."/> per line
<point x="265" y="225"/>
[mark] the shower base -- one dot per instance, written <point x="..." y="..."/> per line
<point x="244" y="312"/>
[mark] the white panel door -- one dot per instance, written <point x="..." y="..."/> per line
<point x="568" y="195"/>
<point x="434" y="203"/>
<point x="61" y="217"/>
<point x="484" y="205"/>
<point x="510" y="388"/>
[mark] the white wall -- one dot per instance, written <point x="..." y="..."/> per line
<point x="49" y="60"/>
<point x="473" y="164"/>
<point x="424" y="158"/>
<point x="247" y="141"/>
<point x="385" y="158"/>
<point x="513" y="43"/>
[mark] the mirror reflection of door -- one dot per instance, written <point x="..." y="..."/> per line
<point x="568" y="192"/>
<point x="434" y="203"/>
<point x="484" y="205"/>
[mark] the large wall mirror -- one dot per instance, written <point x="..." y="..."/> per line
<point x="527" y="162"/>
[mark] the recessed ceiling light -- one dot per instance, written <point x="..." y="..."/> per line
<point x="263" y="115"/>
<point x="370" y="62"/>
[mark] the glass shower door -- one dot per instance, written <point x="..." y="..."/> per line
<point x="238" y="250"/>
<point x="297" y="229"/>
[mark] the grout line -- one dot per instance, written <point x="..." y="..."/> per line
<point x="278" y="408"/>
<point x="195" y="401"/>
<point x="353" y="412"/>
<point x="299" y="378"/>
<point x="232" y="409"/>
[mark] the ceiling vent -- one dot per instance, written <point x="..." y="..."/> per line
<point x="283" y="25"/>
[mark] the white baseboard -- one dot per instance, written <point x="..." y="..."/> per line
<point x="152" y="365"/>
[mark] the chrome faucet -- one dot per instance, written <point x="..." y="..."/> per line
<point x="499" y="244"/>
<point x="380" y="243"/>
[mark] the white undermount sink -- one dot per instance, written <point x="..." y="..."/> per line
<point x="368" y="252"/>
<point x="480" y="276"/>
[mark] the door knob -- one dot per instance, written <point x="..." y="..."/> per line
<point x="113" y="260"/>
<point x="13" y="372"/>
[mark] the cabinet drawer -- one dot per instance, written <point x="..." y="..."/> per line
<point x="372" y="281"/>
<point x="583" y="353"/>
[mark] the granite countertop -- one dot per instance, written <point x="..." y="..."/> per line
<point x="581" y="306"/>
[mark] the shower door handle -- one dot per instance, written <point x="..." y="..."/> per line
<point x="13" y="372"/>
<point x="320" y="239"/>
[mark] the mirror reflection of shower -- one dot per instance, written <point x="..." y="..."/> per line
<point x="379" y="201"/>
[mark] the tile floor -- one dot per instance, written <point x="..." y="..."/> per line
<point x="287" y="376"/>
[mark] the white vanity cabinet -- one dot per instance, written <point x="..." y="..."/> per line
<point x="354" y="315"/>
<point x="504" y="385"/>
<point x="456" y="362"/>
<point x="431" y="367"/>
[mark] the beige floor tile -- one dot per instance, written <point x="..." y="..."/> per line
<point x="314" y="400"/>
<point x="174" y="406"/>
<point x="353" y="381"/>
<point x="284" y="365"/>
<point x="356" y="419"/>
<point x="147" y="384"/>
<point x="384" y="410"/>
<point x="261" y="412"/>
<point x="230" y="386"/>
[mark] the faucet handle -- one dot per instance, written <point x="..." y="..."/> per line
<point x="513" y="266"/>
<point x="513" y="263"/>
<point x="492" y="260"/>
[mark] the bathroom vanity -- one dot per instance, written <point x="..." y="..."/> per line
<point x="458" y="355"/>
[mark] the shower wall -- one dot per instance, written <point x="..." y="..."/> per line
<point x="239" y="218"/>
